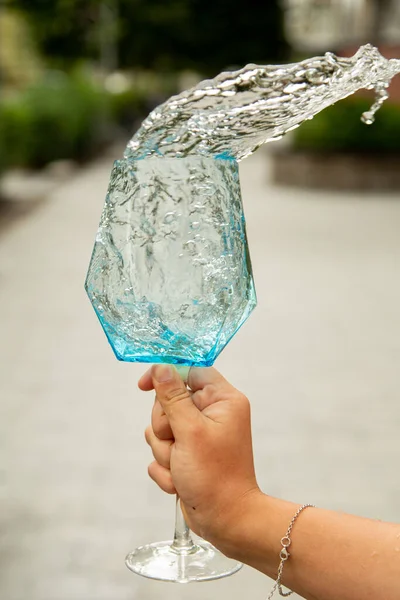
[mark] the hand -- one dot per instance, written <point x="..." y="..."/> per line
<point x="201" y="442"/>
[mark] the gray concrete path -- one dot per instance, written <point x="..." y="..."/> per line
<point x="319" y="359"/>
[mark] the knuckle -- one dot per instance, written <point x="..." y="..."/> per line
<point x="163" y="480"/>
<point x="168" y="485"/>
<point x="159" y="424"/>
<point x="195" y="430"/>
<point x="244" y="401"/>
<point x="170" y="488"/>
<point x="163" y="454"/>
<point x="150" y="471"/>
<point x="147" y="434"/>
<point x="213" y="392"/>
<point x="165" y="462"/>
<point x="162" y="430"/>
<point x="176" y="395"/>
<point x="241" y="400"/>
<point x="158" y="429"/>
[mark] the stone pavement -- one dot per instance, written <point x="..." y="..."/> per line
<point x="319" y="359"/>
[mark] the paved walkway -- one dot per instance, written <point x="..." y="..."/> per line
<point x="319" y="359"/>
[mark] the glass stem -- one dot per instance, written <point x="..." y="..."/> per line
<point x="183" y="543"/>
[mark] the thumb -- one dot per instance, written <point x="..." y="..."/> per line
<point x="175" y="399"/>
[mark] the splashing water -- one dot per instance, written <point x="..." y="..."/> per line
<point x="170" y="277"/>
<point x="236" y="112"/>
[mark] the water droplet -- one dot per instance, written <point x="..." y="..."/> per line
<point x="367" y="118"/>
<point x="170" y="217"/>
<point x="191" y="247"/>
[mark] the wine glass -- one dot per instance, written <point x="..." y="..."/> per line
<point x="181" y="560"/>
<point x="171" y="282"/>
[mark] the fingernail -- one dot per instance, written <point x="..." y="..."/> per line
<point x="163" y="373"/>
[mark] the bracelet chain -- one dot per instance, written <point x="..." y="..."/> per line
<point x="284" y="554"/>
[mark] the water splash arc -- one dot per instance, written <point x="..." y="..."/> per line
<point x="235" y="113"/>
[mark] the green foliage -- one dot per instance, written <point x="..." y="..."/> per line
<point x="128" y="107"/>
<point x="20" y="63"/>
<point x="71" y="112"/>
<point x="60" y="117"/>
<point x="71" y="117"/>
<point x="339" y="129"/>
<point x="14" y="123"/>
<point x="62" y="27"/>
<point x="160" y="34"/>
<point x="135" y="94"/>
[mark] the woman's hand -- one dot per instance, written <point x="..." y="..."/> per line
<point x="201" y="442"/>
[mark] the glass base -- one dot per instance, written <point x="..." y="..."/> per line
<point x="162" y="561"/>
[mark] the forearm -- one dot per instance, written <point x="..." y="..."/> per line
<point x="332" y="555"/>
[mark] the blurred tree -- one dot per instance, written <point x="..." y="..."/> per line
<point x="166" y="35"/>
<point x="155" y="34"/>
<point x="20" y="64"/>
<point x="238" y="32"/>
<point x="200" y="34"/>
<point x="63" y="28"/>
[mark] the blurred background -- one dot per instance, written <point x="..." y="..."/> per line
<point x="319" y="358"/>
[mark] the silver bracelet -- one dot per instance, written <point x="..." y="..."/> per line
<point x="284" y="554"/>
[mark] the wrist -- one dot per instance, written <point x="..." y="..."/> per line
<point x="255" y="529"/>
<point x="241" y="531"/>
